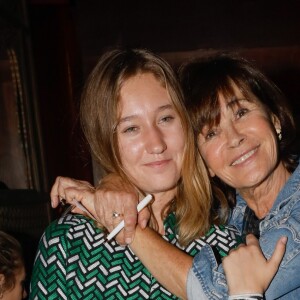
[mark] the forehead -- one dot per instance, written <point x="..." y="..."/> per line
<point x="142" y="90"/>
<point x="209" y="113"/>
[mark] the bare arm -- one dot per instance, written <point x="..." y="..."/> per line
<point x="168" y="264"/>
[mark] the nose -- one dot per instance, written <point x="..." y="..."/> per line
<point x="234" y="136"/>
<point x="155" y="141"/>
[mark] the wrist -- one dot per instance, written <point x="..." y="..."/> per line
<point x="253" y="296"/>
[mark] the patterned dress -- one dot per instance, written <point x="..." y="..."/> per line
<point x="75" y="261"/>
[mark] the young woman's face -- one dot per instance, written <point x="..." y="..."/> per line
<point x="242" y="149"/>
<point x="18" y="292"/>
<point x="150" y="135"/>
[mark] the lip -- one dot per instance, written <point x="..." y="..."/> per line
<point x="158" y="163"/>
<point x="244" y="157"/>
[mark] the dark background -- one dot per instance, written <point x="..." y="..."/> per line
<point x="63" y="39"/>
<point x="47" y="48"/>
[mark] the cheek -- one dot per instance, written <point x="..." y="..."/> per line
<point x="272" y="148"/>
<point x="178" y="142"/>
<point x="210" y="152"/>
<point x="211" y="161"/>
<point x="130" y="152"/>
<point x="266" y="132"/>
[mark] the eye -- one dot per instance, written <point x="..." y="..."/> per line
<point x="130" y="129"/>
<point x="241" y="112"/>
<point x="210" y="134"/>
<point x="166" y="119"/>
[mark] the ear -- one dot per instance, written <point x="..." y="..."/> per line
<point x="211" y="172"/>
<point x="276" y="123"/>
<point x="2" y="279"/>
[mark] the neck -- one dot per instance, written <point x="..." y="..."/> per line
<point x="262" y="197"/>
<point x="160" y="207"/>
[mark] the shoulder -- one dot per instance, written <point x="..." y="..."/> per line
<point x="70" y="227"/>
<point x="221" y="238"/>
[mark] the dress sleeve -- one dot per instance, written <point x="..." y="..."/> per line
<point x="48" y="279"/>
<point x="222" y="239"/>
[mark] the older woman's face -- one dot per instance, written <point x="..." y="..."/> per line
<point x="150" y="135"/>
<point x="242" y="149"/>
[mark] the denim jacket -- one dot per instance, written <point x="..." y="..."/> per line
<point x="206" y="280"/>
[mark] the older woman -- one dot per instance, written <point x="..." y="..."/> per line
<point x="136" y="124"/>
<point x="245" y="135"/>
<point x="12" y="269"/>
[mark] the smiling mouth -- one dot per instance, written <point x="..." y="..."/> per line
<point x="244" y="157"/>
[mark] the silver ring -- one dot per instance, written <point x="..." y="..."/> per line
<point x="116" y="215"/>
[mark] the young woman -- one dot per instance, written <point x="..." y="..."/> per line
<point x="136" y="124"/>
<point x="12" y="269"/>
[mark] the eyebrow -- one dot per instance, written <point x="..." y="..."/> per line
<point x="159" y="109"/>
<point x="234" y="101"/>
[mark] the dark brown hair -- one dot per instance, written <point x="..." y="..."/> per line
<point x="204" y="80"/>
<point x="11" y="259"/>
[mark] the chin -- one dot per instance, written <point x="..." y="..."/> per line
<point x="163" y="188"/>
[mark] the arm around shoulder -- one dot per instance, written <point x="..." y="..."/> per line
<point x="168" y="264"/>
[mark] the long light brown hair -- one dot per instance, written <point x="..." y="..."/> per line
<point x="99" y="116"/>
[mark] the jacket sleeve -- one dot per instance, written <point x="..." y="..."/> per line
<point x="286" y="283"/>
<point x="210" y="276"/>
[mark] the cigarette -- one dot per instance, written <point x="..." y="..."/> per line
<point x="121" y="225"/>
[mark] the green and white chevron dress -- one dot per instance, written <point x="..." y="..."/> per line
<point x="74" y="261"/>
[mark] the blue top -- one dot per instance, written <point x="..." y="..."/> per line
<point x="206" y="280"/>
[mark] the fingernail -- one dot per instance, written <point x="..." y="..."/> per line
<point x="144" y="224"/>
<point x="284" y="239"/>
<point x="128" y="241"/>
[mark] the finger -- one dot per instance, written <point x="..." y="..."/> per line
<point x="144" y="217"/>
<point x="54" y="196"/>
<point x="120" y="238"/>
<point x="107" y="203"/>
<point x="130" y="216"/>
<point x="78" y="193"/>
<point x="85" y="197"/>
<point x="278" y="253"/>
<point x="58" y="189"/>
<point x="235" y="249"/>
<point x="78" y="208"/>
<point x="99" y="209"/>
<point x="251" y="240"/>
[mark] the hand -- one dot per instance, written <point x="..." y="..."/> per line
<point x="68" y="189"/>
<point x="111" y="195"/>
<point x="248" y="271"/>
<point x="115" y="195"/>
